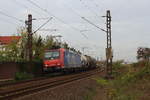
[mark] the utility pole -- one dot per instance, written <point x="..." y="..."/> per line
<point x="29" y="41"/>
<point x="109" y="55"/>
<point x="29" y="53"/>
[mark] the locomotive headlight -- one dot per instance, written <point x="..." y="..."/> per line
<point x="58" y="63"/>
<point x="46" y="65"/>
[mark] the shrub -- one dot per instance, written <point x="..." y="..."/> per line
<point x="37" y="67"/>
<point x="28" y="70"/>
<point x="118" y="64"/>
<point x="22" y="76"/>
<point x="34" y="67"/>
<point x="142" y="63"/>
<point x="134" y="76"/>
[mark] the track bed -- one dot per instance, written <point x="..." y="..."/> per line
<point x="17" y="90"/>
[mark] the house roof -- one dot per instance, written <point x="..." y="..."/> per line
<point x="4" y="40"/>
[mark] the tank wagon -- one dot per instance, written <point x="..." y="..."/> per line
<point x="64" y="59"/>
<point x="88" y="61"/>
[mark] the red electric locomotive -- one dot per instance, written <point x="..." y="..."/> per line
<point x="58" y="59"/>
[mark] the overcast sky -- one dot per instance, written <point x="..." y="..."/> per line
<point x="130" y="23"/>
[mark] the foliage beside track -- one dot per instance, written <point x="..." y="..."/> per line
<point x="16" y="53"/>
<point x="29" y="70"/>
<point x="132" y="83"/>
<point x="22" y="76"/>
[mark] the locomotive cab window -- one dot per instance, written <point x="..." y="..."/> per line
<point x="52" y="55"/>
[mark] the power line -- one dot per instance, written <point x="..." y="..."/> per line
<point x="23" y="5"/>
<point x="4" y="20"/>
<point x="37" y="5"/>
<point x="42" y="18"/>
<point x="43" y="24"/>
<point x="54" y="16"/>
<point x="15" y="18"/>
<point x="45" y="11"/>
<point x="84" y="35"/>
<point x="73" y="10"/>
<point x="15" y="1"/>
<point x="96" y="5"/>
<point x="89" y="8"/>
<point x="48" y="30"/>
<point x="93" y="24"/>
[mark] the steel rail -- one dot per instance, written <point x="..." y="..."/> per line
<point x="54" y="83"/>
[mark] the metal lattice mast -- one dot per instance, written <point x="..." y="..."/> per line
<point x="29" y="42"/>
<point x="109" y="55"/>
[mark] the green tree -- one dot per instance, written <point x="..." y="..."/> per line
<point x="12" y="52"/>
<point x="17" y="50"/>
<point x="38" y="48"/>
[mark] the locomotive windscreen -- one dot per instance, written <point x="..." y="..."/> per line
<point x="51" y="55"/>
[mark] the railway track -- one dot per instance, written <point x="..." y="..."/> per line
<point x="16" y="91"/>
<point x="4" y="84"/>
<point x="9" y="83"/>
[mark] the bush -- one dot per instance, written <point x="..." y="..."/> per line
<point x="142" y="63"/>
<point x="28" y="70"/>
<point x="22" y="76"/>
<point x="118" y="64"/>
<point x="37" y="67"/>
<point x="134" y="76"/>
<point x="118" y="68"/>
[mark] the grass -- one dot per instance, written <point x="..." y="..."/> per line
<point x="91" y="94"/>
<point x="102" y="81"/>
<point x="130" y="84"/>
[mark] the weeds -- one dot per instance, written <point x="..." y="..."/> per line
<point x="22" y="76"/>
<point x="102" y="81"/>
<point x="122" y="87"/>
<point x="91" y="94"/>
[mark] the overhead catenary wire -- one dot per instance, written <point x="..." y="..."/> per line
<point x="42" y="18"/>
<point x="43" y="24"/>
<point x="48" y="30"/>
<point x="95" y="4"/>
<point x="97" y="16"/>
<point x="7" y="21"/>
<point x="23" y="5"/>
<point x="12" y="17"/>
<point x="81" y="1"/>
<point x="85" y="19"/>
<point x="26" y="7"/>
<point x="46" y="11"/>
<point x="93" y="24"/>
<point x="73" y="10"/>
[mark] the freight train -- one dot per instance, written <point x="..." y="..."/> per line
<point x="65" y="60"/>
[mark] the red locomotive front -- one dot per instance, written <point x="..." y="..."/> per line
<point x="53" y="60"/>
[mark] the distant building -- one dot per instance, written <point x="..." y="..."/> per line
<point x="6" y="40"/>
